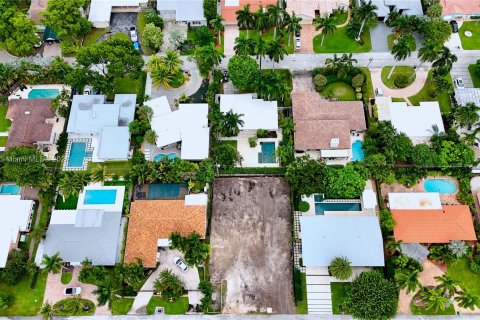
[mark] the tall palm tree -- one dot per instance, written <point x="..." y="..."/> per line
<point x="348" y="60"/>
<point x="245" y="18"/>
<point x="434" y="299"/>
<point x="275" y="14"/>
<point x="272" y="86"/>
<point x="393" y="245"/>
<point x="427" y="53"/>
<point x="53" y="263"/>
<point x="341" y="268"/>
<point x="260" y="49"/>
<point x="405" y="25"/>
<point x="47" y="311"/>
<point x="231" y="123"/>
<point x="106" y="294"/>
<point x="217" y="25"/>
<point x="244" y="45"/>
<point x="334" y="63"/>
<point x="327" y="24"/>
<point x="447" y="284"/>
<point x="66" y="186"/>
<point x="169" y="285"/>
<point x="366" y="12"/>
<point x="99" y="173"/>
<point x="215" y="56"/>
<point x="172" y="61"/>
<point x="276" y="51"/>
<point x="445" y="59"/>
<point x="261" y="20"/>
<point x="292" y="23"/>
<point x="401" y="50"/>
<point x="470" y="138"/>
<point x="407" y="279"/>
<point x="467" y="115"/>
<point x="160" y="73"/>
<point x="467" y="300"/>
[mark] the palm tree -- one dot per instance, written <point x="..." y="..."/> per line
<point x="73" y="305"/>
<point x="434" y="299"/>
<point x="458" y="248"/>
<point x="340" y="268"/>
<point x="243" y="45"/>
<point x="145" y="113"/>
<point x="276" y="51"/>
<point x="47" y="311"/>
<point x="447" y="284"/>
<point x="106" y="294"/>
<point x="215" y="56"/>
<point x="333" y="63"/>
<point x="367" y="12"/>
<point x="217" y="25"/>
<point x="169" y="285"/>
<point x="53" y="263"/>
<point x="261" y="19"/>
<point x="245" y="18"/>
<point x="427" y="53"/>
<point x="327" y="24"/>
<point x="401" y="50"/>
<point x="292" y="23"/>
<point x="99" y="173"/>
<point x="407" y="279"/>
<point x="467" y="300"/>
<point x="160" y="73"/>
<point x="348" y="60"/>
<point x="394" y="246"/>
<point x="467" y="115"/>
<point x="276" y="14"/>
<point x="470" y="138"/>
<point x="405" y="25"/>
<point x="151" y="136"/>
<point x="445" y="59"/>
<point x="260" y="49"/>
<point x="66" y="186"/>
<point x="230" y="123"/>
<point x="172" y="61"/>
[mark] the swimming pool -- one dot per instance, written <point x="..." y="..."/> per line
<point x="43" y="93"/>
<point x="444" y="186"/>
<point x="9" y="189"/>
<point x="321" y="207"/>
<point x="160" y="156"/>
<point x="165" y="190"/>
<point x="357" y="151"/>
<point x="77" y="154"/>
<point x="268" y="153"/>
<point x="100" y="197"/>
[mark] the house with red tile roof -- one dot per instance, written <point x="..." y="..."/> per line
<point x="230" y="8"/>
<point x="460" y="9"/>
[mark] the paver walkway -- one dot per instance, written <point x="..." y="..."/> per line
<point x="230" y="34"/>
<point x="306" y="38"/>
<point x="409" y="91"/>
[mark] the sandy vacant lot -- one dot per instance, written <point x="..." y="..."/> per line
<point x="251" y="244"/>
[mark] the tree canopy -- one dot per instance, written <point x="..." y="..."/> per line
<point x="306" y="176"/>
<point x="243" y="71"/>
<point x="65" y="18"/>
<point x="24" y="166"/>
<point x="345" y="182"/>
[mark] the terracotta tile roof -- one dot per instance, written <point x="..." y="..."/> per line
<point x="434" y="226"/>
<point x="29" y="124"/>
<point x="229" y="13"/>
<point x="460" y="6"/>
<point x="317" y="121"/>
<point x="151" y="220"/>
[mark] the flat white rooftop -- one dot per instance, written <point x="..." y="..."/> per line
<point x="414" y="201"/>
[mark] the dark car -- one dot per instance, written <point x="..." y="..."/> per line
<point x="454" y="26"/>
<point x="297" y="33"/>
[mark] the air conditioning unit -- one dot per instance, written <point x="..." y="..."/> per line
<point x="334" y="143"/>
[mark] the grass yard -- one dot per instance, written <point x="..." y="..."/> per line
<point x="398" y="100"/>
<point x="338" y="296"/>
<point x="4" y="123"/>
<point x="3" y="141"/>
<point x="66" y="277"/>
<point x="341" y="91"/>
<point x="339" y="42"/>
<point x="93" y="36"/>
<point x="70" y="203"/>
<point x="416" y="310"/>
<point x="473" y="42"/>
<point x="300" y="290"/>
<point x="392" y="37"/>
<point x="268" y="37"/>
<point x="126" y="86"/>
<point x="67" y="312"/>
<point x="460" y="271"/>
<point x="27" y="302"/>
<point x="120" y="36"/>
<point x="473" y="74"/>
<point x="140" y="27"/>
<point x="121" y="306"/>
<point x="340" y="17"/>
<point x="425" y="95"/>
<point x="399" y="71"/>
<point x="179" y="306"/>
<point x="119" y="168"/>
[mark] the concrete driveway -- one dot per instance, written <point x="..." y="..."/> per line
<point x="379" y="38"/>
<point x="230" y="34"/>
<point x="120" y="23"/>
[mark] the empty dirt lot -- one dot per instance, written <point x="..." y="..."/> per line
<point x="251" y="244"/>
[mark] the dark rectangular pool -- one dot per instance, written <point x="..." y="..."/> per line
<point x="165" y="190"/>
<point x="321" y="207"/>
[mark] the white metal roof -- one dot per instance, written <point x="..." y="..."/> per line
<point x="256" y="113"/>
<point x="199" y="199"/>
<point x="14" y="215"/>
<point x="114" y="143"/>
<point x="416" y="121"/>
<point x="100" y="10"/>
<point x="369" y="199"/>
<point x="414" y="200"/>
<point x="334" y="153"/>
<point x="185" y="10"/>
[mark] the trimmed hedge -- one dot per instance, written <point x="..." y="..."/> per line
<point x="253" y="170"/>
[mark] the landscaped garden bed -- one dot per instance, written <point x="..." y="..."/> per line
<point x="400" y="78"/>
<point x="74" y="307"/>
<point x="427" y="94"/>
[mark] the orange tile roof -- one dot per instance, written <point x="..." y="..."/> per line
<point x="434" y="226"/>
<point x="229" y="13"/>
<point x="151" y="220"/>
<point x="460" y="6"/>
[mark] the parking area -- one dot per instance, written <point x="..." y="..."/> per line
<point x="120" y="23"/>
<point x="190" y="277"/>
<point x="251" y="249"/>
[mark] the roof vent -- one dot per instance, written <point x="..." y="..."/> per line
<point x="27" y="112"/>
<point x="334" y="142"/>
<point x="94" y="114"/>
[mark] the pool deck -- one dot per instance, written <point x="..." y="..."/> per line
<point x="446" y="199"/>
<point x="19" y="94"/>
<point x="151" y="150"/>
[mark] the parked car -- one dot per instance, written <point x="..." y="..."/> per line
<point x="297" y="33"/>
<point x="454" y="26"/>
<point x="297" y="44"/>
<point x="459" y="83"/>
<point x="378" y="92"/>
<point x="133" y="34"/>
<point x="72" y="291"/>
<point x="180" y="263"/>
<point x="136" y="45"/>
<point x="87" y="90"/>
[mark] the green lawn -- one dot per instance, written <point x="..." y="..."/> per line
<point x="125" y="86"/>
<point x="66" y="277"/>
<point x="93" y="36"/>
<point x="268" y="36"/>
<point x="342" y="91"/>
<point x="400" y="70"/>
<point x="121" y="306"/>
<point x="473" y="74"/>
<point x="392" y="37"/>
<point x="3" y="141"/>
<point x="140" y="27"/>
<point x="69" y="204"/>
<point x="120" y="168"/>
<point x="4" y="123"/>
<point x="338" y="295"/>
<point x="460" y="271"/>
<point x="120" y="36"/>
<point x="473" y="42"/>
<point x="340" y="17"/>
<point x="422" y="311"/>
<point x="70" y="313"/>
<point x="27" y="302"/>
<point x="179" y="306"/>
<point x="398" y="100"/>
<point x="339" y="42"/>
<point x="300" y="290"/>
<point x="368" y="79"/>
<point x="426" y="95"/>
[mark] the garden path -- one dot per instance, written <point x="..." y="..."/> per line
<point x="409" y="91"/>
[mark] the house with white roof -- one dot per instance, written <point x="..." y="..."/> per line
<point x="93" y="231"/>
<point x="15" y="215"/>
<point x="406" y="7"/>
<point x="187" y="11"/>
<point x="101" y="10"/>
<point x="183" y="132"/>
<point x="414" y="201"/>
<point x="256" y="114"/>
<point x="417" y="122"/>
<point x="98" y="131"/>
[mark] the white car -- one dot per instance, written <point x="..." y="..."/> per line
<point x="297" y="44"/>
<point x="133" y="34"/>
<point x="72" y="291"/>
<point x="180" y="263"/>
<point x="459" y="83"/>
<point x="378" y="92"/>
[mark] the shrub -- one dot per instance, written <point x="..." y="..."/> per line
<point x="358" y="89"/>
<point x="152" y="36"/>
<point x="319" y="81"/>
<point x="252" y="170"/>
<point x="262" y="133"/>
<point x="243" y="71"/>
<point x="359" y="96"/>
<point x="340" y="268"/>
<point x="15" y="268"/>
<point x="6" y="300"/>
<point x="303" y="206"/>
<point x="252" y="141"/>
<point x="441" y="253"/>
<point x="33" y="278"/>
<point x="474" y="266"/>
<point x="358" y="80"/>
<point x="401" y="81"/>
<point x="151" y="16"/>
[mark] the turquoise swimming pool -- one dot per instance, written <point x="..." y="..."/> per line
<point x="43" y="93"/>
<point x="9" y="189"/>
<point x="77" y="154"/>
<point x="165" y="190"/>
<point x="160" y="156"/>
<point x="357" y="151"/>
<point x="268" y="153"/>
<point x="443" y="186"/>
<point x="100" y="197"/>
